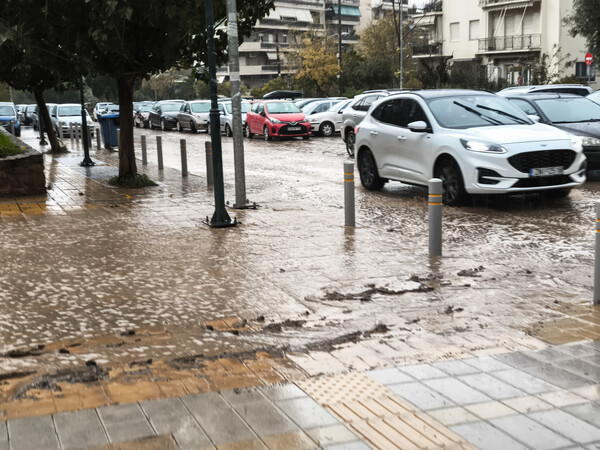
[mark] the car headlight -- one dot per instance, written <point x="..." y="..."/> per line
<point x="576" y="142"/>
<point x="274" y="120"/>
<point x="482" y="147"/>
<point x="588" y="141"/>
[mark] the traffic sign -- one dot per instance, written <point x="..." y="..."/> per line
<point x="589" y="58"/>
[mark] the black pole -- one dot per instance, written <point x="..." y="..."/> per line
<point x="340" y="46"/>
<point x="220" y="218"/>
<point x="87" y="161"/>
<point x="41" y="127"/>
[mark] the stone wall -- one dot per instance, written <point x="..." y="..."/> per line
<point x="22" y="174"/>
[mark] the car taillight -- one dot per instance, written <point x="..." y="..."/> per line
<point x="356" y="130"/>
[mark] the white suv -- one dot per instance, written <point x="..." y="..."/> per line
<point x="475" y="142"/>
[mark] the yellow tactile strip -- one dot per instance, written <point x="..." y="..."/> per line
<point x="382" y="418"/>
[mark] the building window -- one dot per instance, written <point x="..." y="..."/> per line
<point x="455" y="32"/>
<point x="473" y="30"/>
<point x="284" y="38"/>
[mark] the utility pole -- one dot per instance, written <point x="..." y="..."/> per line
<point x="340" y="46"/>
<point x="401" y="46"/>
<point x="220" y="218"/>
<point x="236" y="105"/>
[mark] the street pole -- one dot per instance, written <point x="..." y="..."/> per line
<point x="87" y="161"/>
<point x="220" y="218"/>
<point x="401" y="45"/>
<point x="340" y="46"/>
<point x="236" y="104"/>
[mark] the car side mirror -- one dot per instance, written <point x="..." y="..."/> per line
<point x="534" y="117"/>
<point x="262" y="113"/>
<point x="419" y="126"/>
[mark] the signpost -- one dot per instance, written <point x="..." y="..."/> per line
<point x="589" y="58"/>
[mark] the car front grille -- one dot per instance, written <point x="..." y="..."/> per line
<point x="543" y="181"/>
<point x="285" y="130"/>
<point x="523" y="162"/>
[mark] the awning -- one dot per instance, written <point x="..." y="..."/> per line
<point x="296" y="14"/>
<point x="348" y="10"/>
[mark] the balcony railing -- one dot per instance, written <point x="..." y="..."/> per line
<point x="511" y="43"/>
<point x="427" y="50"/>
<point x="486" y="3"/>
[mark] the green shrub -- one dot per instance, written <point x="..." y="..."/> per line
<point x="7" y="147"/>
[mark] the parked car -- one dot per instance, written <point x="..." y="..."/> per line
<point x="276" y="118"/>
<point x="9" y="118"/>
<point x="100" y="108"/>
<point x="301" y="103"/>
<point x="354" y="113"/>
<point x="282" y="95"/>
<point x="164" y="114"/>
<point x="577" y="89"/>
<point x="67" y="114"/>
<point x="226" y="111"/>
<point x="572" y="113"/>
<point x="20" y="112"/>
<point x="193" y="116"/>
<point x="141" y="115"/>
<point x="476" y="142"/>
<point x="595" y="97"/>
<point x="28" y="114"/>
<point x="36" y="121"/>
<point x="329" y="121"/>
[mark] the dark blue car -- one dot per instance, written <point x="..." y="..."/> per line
<point x="9" y="118"/>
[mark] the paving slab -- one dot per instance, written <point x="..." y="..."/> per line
<point x="33" y="432"/>
<point x="73" y="428"/>
<point x="555" y="375"/>
<point x="486" y="437"/>
<point x="217" y="418"/>
<point x="567" y="425"/>
<point x="590" y="412"/>
<point x="423" y="371"/>
<point x="331" y="435"/>
<point x="518" y="359"/>
<point x="356" y="445"/>
<point x="492" y="387"/>
<point x="524" y="381"/>
<point x="391" y="375"/>
<point x="125" y="422"/>
<point x="457" y="391"/>
<point x="486" y="364"/>
<point x="580" y="367"/>
<point x="306" y="413"/>
<point x="282" y="391"/>
<point x="531" y="433"/>
<point x="421" y="396"/>
<point x="455" y="368"/>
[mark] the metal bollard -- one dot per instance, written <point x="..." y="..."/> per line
<point x="119" y="137"/>
<point x="71" y="131"/>
<point x="98" y="138"/>
<point x="77" y="128"/>
<point x="89" y="137"/>
<point x="159" y="152"/>
<point x="597" y="259"/>
<point x="61" y="132"/>
<point x="144" y="155"/>
<point x="209" y="164"/>
<point x="184" y="169"/>
<point x="349" y="194"/>
<point x="436" y="189"/>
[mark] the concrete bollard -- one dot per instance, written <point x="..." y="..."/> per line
<point x="184" y="169"/>
<point x="61" y="133"/>
<point x="597" y="259"/>
<point x="349" y="194"/>
<point x="159" y="152"/>
<point x="209" y="164"/>
<point x="436" y="190"/>
<point x="98" y="138"/>
<point x="144" y="155"/>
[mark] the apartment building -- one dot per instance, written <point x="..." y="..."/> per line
<point x="507" y="37"/>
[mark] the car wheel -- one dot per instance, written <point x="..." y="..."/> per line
<point x="452" y="182"/>
<point x="247" y="132"/>
<point x="266" y="134"/>
<point x="326" y="129"/>
<point x="146" y="124"/>
<point x="306" y="137"/>
<point x="18" y="132"/>
<point x="150" y="125"/>
<point x="367" y="169"/>
<point x="350" y="141"/>
<point x="228" y="131"/>
<point x="192" y="126"/>
<point x="163" y="125"/>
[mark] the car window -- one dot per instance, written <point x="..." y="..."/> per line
<point x="282" y="108"/>
<point x="524" y="106"/>
<point x="574" y="109"/>
<point x="170" y="107"/>
<point x="255" y="107"/>
<point x="200" y="107"/>
<point x="366" y="102"/>
<point x="67" y="111"/>
<point x="400" y="112"/>
<point x="260" y="108"/>
<point x="7" y="111"/>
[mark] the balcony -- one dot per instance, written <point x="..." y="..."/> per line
<point x="517" y="43"/>
<point x="501" y="3"/>
<point x="427" y="50"/>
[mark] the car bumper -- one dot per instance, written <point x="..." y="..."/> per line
<point x="286" y="130"/>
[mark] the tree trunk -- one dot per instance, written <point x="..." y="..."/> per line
<point x="127" y="164"/>
<point x="43" y="110"/>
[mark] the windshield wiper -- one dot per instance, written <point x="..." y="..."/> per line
<point x="578" y="121"/>
<point x="504" y="113"/>
<point x="478" y="114"/>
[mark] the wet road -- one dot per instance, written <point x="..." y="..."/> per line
<point x="145" y="261"/>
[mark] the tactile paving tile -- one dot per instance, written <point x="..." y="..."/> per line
<point x="382" y="418"/>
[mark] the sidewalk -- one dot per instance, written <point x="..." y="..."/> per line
<point x="413" y="384"/>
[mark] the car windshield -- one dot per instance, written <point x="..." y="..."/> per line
<point x="570" y="110"/>
<point x="170" y="107"/>
<point x="470" y="111"/>
<point x="200" y="107"/>
<point x="245" y="107"/>
<point x="595" y="97"/>
<point x="339" y="106"/>
<point x="145" y="107"/>
<point x="67" y="111"/>
<point x="7" y="111"/>
<point x="282" y="108"/>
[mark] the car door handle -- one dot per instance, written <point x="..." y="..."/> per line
<point x="401" y="138"/>
<point x="374" y="133"/>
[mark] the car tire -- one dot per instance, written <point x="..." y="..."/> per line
<point x="17" y="132"/>
<point x="163" y="125"/>
<point x="228" y="131"/>
<point x="306" y="137"/>
<point x="247" y="132"/>
<point x="150" y="125"/>
<point x="326" y="129"/>
<point x="452" y="182"/>
<point x="266" y="134"/>
<point x="367" y="169"/>
<point x="350" y="142"/>
<point x="193" y="127"/>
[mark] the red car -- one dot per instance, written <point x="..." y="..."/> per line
<point x="276" y="118"/>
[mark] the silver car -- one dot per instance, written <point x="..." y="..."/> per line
<point x="193" y="116"/>
<point x="226" y="119"/>
<point x="67" y="114"/>
<point x="326" y="120"/>
<point x="354" y="113"/>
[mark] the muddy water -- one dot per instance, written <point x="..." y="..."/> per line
<point x="146" y="262"/>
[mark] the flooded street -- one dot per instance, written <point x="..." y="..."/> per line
<point x="124" y="275"/>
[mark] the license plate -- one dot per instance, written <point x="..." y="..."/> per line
<point x="546" y="171"/>
<point x="294" y="128"/>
